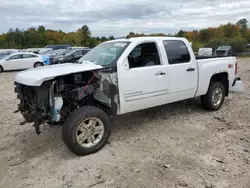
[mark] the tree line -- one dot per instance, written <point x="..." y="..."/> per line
<point x="234" y="34"/>
<point x="40" y="37"/>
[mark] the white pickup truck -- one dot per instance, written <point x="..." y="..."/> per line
<point x="118" y="77"/>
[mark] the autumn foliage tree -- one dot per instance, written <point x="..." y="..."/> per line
<point x="40" y="37"/>
<point x="237" y="35"/>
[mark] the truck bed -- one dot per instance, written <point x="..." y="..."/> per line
<point x="211" y="66"/>
<point x="210" y="57"/>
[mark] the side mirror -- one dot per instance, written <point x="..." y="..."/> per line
<point x="126" y="64"/>
<point x="7" y="59"/>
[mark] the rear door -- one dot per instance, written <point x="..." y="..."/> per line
<point x="143" y="78"/>
<point x="28" y="61"/>
<point x="182" y="70"/>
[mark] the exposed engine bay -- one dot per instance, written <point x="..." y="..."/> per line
<point x="55" y="99"/>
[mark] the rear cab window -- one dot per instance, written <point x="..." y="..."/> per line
<point x="177" y="52"/>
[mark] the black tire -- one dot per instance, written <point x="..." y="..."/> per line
<point x="38" y="64"/>
<point x="70" y="129"/>
<point x="207" y="101"/>
<point x="1" y="69"/>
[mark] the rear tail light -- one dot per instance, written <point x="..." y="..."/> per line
<point x="236" y="68"/>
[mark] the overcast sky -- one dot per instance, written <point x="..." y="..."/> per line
<point x="118" y="18"/>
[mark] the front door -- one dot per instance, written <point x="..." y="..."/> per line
<point x="143" y="79"/>
<point x="14" y="62"/>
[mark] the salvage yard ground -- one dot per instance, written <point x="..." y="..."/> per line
<point x="176" y="145"/>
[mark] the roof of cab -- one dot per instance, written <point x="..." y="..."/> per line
<point x="141" y="39"/>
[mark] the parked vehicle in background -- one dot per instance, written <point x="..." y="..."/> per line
<point x="71" y="57"/>
<point x="59" y="51"/>
<point x="58" y="46"/>
<point x="32" y="50"/>
<point x="59" y="54"/>
<point x="224" y="51"/>
<point x="207" y="52"/>
<point x="62" y="53"/>
<point x="9" y="50"/>
<point x="44" y="51"/>
<point x="76" y="48"/>
<point x="53" y="53"/>
<point x="21" y="60"/>
<point x="111" y="80"/>
<point x="4" y="54"/>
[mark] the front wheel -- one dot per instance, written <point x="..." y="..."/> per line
<point x="1" y="69"/>
<point x="215" y="96"/>
<point x="86" y="130"/>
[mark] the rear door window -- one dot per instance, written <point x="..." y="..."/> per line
<point x="29" y="56"/>
<point x="177" y="52"/>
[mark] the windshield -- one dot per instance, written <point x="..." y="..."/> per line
<point x="50" y="52"/>
<point x="63" y="52"/>
<point x="70" y="52"/>
<point x="224" y="48"/>
<point x="105" y="53"/>
<point x="2" y="56"/>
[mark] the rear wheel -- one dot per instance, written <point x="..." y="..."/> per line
<point x="1" y="69"/>
<point x="38" y="64"/>
<point x="86" y="130"/>
<point x="215" y="96"/>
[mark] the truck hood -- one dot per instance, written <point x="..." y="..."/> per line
<point x="36" y="76"/>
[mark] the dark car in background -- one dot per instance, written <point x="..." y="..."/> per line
<point x="58" y="46"/>
<point x="224" y="51"/>
<point x="70" y="57"/>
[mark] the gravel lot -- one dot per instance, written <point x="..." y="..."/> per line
<point x="176" y="145"/>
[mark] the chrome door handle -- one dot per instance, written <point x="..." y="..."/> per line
<point x="190" y="69"/>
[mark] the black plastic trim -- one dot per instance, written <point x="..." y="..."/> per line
<point x="235" y="80"/>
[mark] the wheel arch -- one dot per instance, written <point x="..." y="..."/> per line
<point x="222" y="78"/>
<point x="92" y="101"/>
<point x="38" y="62"/>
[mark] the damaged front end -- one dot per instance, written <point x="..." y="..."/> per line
<point x="53" y="100"/>
<point x="33" y="103"/>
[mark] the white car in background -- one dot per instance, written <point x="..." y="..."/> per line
<point x="206" y="52"/>
<point x="20" y="61"/>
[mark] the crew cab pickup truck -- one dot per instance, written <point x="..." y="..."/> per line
<point x="117" y="77"/>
